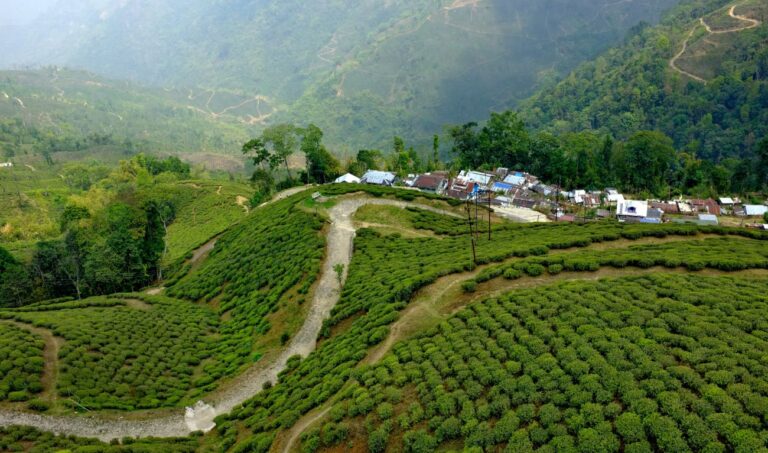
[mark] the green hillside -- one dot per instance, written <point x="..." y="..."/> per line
<point x="701" y="77"/>
<point x="562" y="337"/>
<point x="57" y="110"/>
<point x="363" y="71"/>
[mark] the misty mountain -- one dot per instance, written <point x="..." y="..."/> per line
<point x="366" y="69"/>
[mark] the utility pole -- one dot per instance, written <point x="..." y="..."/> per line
<point x="477" y="223"/>
<point x="471" y="234"/>
<point x="489" y="215"/>
<point x="557" y="199"/>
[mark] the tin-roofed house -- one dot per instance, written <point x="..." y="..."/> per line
<point x="378" y="178"/>
<point x="432" y="183"/>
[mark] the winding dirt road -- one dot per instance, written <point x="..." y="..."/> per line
<point x="751" y="23"/>
<point x="180" y="423"/>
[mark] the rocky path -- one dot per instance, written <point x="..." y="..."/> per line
<point x="179" y="423"/>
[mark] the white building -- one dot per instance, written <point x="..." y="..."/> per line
<point x="632" y="208"/>
<point x="379" y="178"/>
<point x="755" y="210"/>
<point x="6" y="164"/>
<point x="348" y="178"/>
<point x="476" y="177"/>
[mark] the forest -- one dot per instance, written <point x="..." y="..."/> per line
<point x="646" y="162"/>
<point x="112" y="237"/>
<point x="632" y="87"/>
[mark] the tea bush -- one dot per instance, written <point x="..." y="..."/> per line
<point x="674" y="361"/>
<point x="21" y="363"/>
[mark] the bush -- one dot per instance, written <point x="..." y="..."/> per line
<point x="39" y="405"/>
<point x="469" y="286"/>
<point x="555" y="269"/>
<point x="512" y="274"/>
<point x="534" y="270"/>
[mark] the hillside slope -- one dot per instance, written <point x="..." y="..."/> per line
<point x="701" y="77"/>
<point x="63" y="110"/>
<point x="378" y="67"/>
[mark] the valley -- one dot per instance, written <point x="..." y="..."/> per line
<point x="402" y="226"/>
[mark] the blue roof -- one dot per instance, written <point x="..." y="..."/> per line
<point x="502" y="186"/>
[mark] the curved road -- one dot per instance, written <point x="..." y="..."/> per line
<point x="181" y="423"/>
<point x="752" y="23"/>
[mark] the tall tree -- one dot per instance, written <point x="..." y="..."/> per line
<point x="282" y="140"/>
<point x="321" y="165"/>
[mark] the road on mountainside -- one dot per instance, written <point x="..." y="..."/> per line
<point x="180" y="423"/>
<point x="751" y="23"/>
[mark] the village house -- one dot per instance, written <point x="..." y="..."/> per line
<point x="708" y="206"/>
<point x="515" y="179"/>
<point x="483" y="179"/>
<point x="502" y="187"/>
<point x="431" y="182"/>
<point x="378" y="178"/>
<point x="758" y="210"/>
<point x="592" y="200"/>
<point x="632" y="209"/>
<point x="462" y="189"/>
<point x="612" y="196"/>
<point x="668" y="208"/>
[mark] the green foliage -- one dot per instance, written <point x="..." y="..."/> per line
<point x="21" y="363"/>
<point x="17" y="438"/>
<point x="72" y="111"/>
<point x="119" y="357"/>
<point x="632" y="88"/>
<point x="252" y="267"/>
<point x="601" y="352"/>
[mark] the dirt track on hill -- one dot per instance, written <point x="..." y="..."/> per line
<point x="751" y="23"/>
<point x="180" y="423"/>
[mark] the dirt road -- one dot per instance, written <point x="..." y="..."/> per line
<point x="183" y="422"/>
<point x="750" y="23"/>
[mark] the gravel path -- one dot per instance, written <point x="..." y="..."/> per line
<point x="200" y="418"/>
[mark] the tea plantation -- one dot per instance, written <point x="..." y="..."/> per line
<point x="21" y="363"/>
<point x="384" y="274"/>
<point x="660" y="362"/>
<point x="661" y="358"/>
<point x="135" y="351"/>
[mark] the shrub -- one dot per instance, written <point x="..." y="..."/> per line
<point x="39" y="405"/>
<point x="469" y="286"/>
<point x="534" y="270"/>
<point x="512" y="274"/>
<point x="555" y="269"/>
<point x="630" y="427"/>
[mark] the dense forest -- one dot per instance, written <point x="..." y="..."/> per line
<point x="102" y="249"/>
<point x="648" y="84"/>
<point x="645" y="161"/>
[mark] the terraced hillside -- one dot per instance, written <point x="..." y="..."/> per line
<point x="421" y="349"/>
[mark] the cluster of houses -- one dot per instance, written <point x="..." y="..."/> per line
<point x="506" y="188"/>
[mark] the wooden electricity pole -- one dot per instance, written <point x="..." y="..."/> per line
<point x="489" y="215"/>
<point x="471" y="232"/>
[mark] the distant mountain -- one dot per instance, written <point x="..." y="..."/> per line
<point x="701" y="77"/>
<point x="61" y="110"/>
<point x="363" y="70"/>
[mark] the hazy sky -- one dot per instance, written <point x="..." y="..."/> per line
<point x="21" y="12"/>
